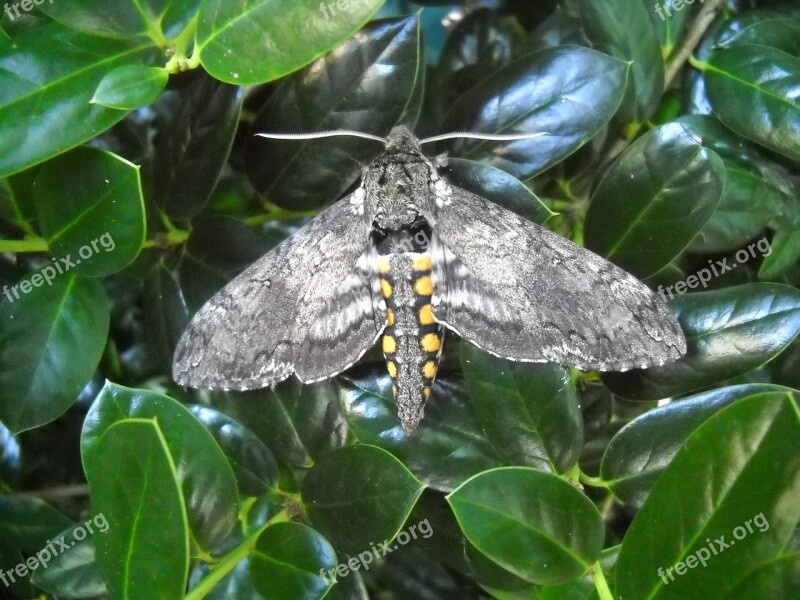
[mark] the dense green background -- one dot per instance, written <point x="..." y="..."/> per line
<point x="672" y="145"/>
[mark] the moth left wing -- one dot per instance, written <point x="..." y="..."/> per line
<point x="522" y="292"/>
<point x="308" y="306"/>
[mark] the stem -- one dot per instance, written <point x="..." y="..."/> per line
<point x="698" y="30"/>
<point x="18" y="246"/>
<point x="229" y="561"/>
<point x="597" y="482"/>
<point x="179" y="61"/>
<point x="600" y="583"/>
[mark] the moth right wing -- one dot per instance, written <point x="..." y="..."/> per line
<point x="309" y="306"/>
<point x="522" y="292"/>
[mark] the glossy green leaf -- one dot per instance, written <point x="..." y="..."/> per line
<point x="46" y="111"/>
<point x="355" y="517"/>
<point x="237" y="584"/>
<point x="666" y="181"/>
<point x="206" y="478"/>
<point x="75" y="574"/>
<point x="641" y="450"/>
<point x="252" y="462"/>
<point x="754" y="91"/>
<point x="623" y="29"/>
<point x="130" y="87"/>
<point x="778" y="580"/>
<point x="780" y="33"/>
<point x="670" y="22"/>
<point x="52" y="340"/>
<point x="158" y="19"/>
<point x="165" y="311"/>
<point x="728" y="332"/>
<point x="288" y="560"/>
<point x="9" y="456"/>
<point x="134" y="485"/>
<point x="27" y="525"/>
<point x="785" y="254"/>
<point x="529" y="411"/>
<point x="369" y="83"/>
<point x="448" y="447"/>
<point x="532" y="523"/>
<point x="497" y="186"/>
<point x="249" y="42"/>
<point x="195" y="144"/>
<point x="298" y="422"/>
<point x="90" y="210"/>
<point x="735" y="481"/>
<point x="546" y="91"/>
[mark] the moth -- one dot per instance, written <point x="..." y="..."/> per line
<point x="404" y="258"/>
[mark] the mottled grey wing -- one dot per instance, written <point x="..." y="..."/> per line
<point x="308" y="306"/>
<point x="522" y="292"/>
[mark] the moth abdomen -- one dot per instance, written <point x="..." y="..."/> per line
<point x="412" y="340"/>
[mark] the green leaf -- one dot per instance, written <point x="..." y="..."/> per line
<point x="252" y="462"/>
<point x="194" y="145"/>
<point x="497" y="186"/>
<point x="247" y="42"/>
<point x="641" y="450"/>
<point x="666" y="181"/>
<point x="74" y="574"/>
<point x="529" y="411"/>
<point x="780" y="33"/>
<point x="165" y="311"/>
<point x="669" y="25"/>
<point x="531" y="523"/>
<point x="90" y="209"/>
<point x="52" y="340"/>
<point x="354" y="518"/>
<point x="370" y="82"/>
<point x="288" y="560"/>
<point x="728" y="333"/>
<point x="46" y="111"/>
<point x="134" y="485"/>
<point x="10" y="459"/>
<point x="159" y="19"/>
<point x="623" y="29"/>
<point x="208" y="484"/>
<point x="27" y="525"/>
<point x="784" y="256"/>
<point x="448" y="447"/>
<point x="130" y="87"/>
<point x="546" y="91"/>
<point x="736" y="477"/>
<point x="298" y="422"/>
<point x="778" y="579"/>
<point x="753" y="90"/>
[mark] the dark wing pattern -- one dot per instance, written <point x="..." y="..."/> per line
<point x="307" y="307"/>
<point x="522" y="292"/>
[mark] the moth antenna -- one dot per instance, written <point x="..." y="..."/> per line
<point x="499" y="137"/>
<point x="323" y="134"/>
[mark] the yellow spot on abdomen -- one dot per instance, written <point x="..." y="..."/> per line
<point x="426" y="315"/>
<point x="383" y="265"/>
<point x="389" y="345"/>
<point x="430" y="342"/>
<point x="392" y="368"/>
<point x="424" y="286"/>
<point x="426" y="391"/>
<point x="423" y="263"/>
<point x="389" y="317"/>
<point x="386" y="288"/>
<point x="429" y="369"/>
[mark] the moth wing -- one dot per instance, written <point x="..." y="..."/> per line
<point x="308" y="306"/>
<point x="522" y="292"/>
